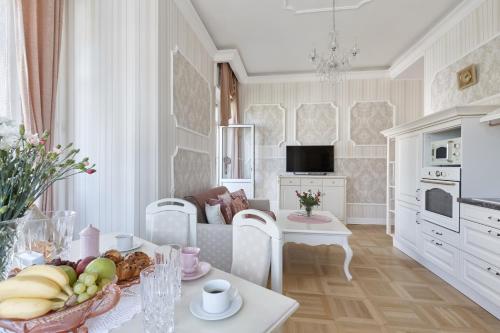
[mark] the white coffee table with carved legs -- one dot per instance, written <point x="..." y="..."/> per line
<point x="329" y="233"/>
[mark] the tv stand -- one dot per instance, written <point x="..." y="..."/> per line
<point x="310" y="173"/>
<point x="332" y="189"/>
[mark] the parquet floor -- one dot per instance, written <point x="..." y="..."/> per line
<point x="389" y="293"/>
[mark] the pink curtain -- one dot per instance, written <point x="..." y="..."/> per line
<point x="229" y="112"/>
<point x="39" y="44"/>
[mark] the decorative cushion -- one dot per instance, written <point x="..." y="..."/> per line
<point x="225" y="209"/>
<point x="200" y="199"/>
<point x="241" y="194"/>
<point x="214" y="214"/>
<point x="237" y="205"/>
<point x="226" y="197"/>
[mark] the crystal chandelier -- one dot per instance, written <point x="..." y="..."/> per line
<point x="334" y="65"/>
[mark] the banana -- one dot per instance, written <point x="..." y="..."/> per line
<point x="27" y="308"/>
<point x="50" y="272"/>
<point x="30" y="287"/>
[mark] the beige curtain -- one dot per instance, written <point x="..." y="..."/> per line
<point x="229" y="112"/>
<point x="39" y="31"/>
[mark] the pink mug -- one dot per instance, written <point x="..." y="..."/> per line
<point x="189" y="258"/>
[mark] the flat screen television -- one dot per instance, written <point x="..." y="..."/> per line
<point x="309" y="159"/>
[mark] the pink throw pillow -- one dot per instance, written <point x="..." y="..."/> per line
<point x="241" y="194"/>
<point x="224" y="209"/>
<point x="226" y="197"/>
<point x="237" y="205"/>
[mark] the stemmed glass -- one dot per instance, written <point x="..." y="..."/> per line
<point x="158" y="298"/>
<point x="171" y="255"/>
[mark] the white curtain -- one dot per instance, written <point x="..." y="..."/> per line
<point x="10" y="98"/>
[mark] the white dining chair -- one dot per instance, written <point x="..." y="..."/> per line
<point x="257" y="244"/>
<point x="171" y="221"/>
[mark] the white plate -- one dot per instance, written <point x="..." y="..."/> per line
<point x="196" y="308"/>
<point x="135" y="246"/>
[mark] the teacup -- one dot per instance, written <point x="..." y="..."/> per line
<point x="189" y="258"/>
<point x="217" y="295"/>
<point x="124" y="242"/>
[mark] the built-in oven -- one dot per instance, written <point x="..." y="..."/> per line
<point x="439" y="191"/>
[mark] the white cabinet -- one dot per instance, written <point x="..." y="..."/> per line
<point x="408" y="226"/>
<point x="483" y="278"/>
<point x="334" y="201"/>
<point x="481" y="241"/>
<point x="288" y="198"/>
<point x="441" y="254"/>
<point x="332" y="188"/>
<point x="408" y="166"/>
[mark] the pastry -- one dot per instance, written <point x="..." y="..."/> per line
<point x="124" y="271"/>
<point x="133" y="257"/>
<point x="113" y="255"/>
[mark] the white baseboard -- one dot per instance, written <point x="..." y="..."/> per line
<point x="366" y="220"/>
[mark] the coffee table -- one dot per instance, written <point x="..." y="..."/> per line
<point x="330" y="233"/>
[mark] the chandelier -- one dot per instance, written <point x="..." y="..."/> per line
<point x="334" y="65"/>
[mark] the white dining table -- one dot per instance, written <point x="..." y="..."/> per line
<point x="263" y="310"/>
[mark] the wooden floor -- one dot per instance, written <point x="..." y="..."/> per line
<point x="389" y="293"/>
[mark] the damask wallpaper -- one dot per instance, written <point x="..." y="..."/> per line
<point x="196" y="172"/>
<point x="444" y="91"/>
<point x="191" y="97"/>
<point x="366" y="179"/>
<point x="316" y="118"/>
<point x="269" y="121"/>
<point x="368" y="119"/>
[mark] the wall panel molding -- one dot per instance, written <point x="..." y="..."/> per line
<point x="373" y="117"/>
<point x="269" y="121"/>
<point x="316" y="124"/>
<point x="190" y="171"/>
<point x="191" y="96"/>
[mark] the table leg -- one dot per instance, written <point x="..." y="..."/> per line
<point x="348" y="257"/>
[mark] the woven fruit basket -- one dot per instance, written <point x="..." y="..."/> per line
<point x="71" y="319"/>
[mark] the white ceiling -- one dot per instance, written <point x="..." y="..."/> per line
<point x="273" y="39"/>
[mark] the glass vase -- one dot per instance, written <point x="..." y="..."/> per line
<point x="50" y="234"/>
<point x="308" y="211"/>
<point x="9" y="231"/>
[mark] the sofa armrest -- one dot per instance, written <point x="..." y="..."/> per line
<point x="216" y="244"/>
<point x="259" y="204"/>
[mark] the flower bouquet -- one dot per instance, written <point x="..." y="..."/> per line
<point x="308" y="200"/>
<point x="27" y="170"/>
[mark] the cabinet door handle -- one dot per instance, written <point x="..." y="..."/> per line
<point x="438" y="233"/>
<point x="436" y="243"/>
<point x="491" y="233"/>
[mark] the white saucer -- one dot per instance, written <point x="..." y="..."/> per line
<point x="196" y="308"/>
<point x="202" y="269"/>
<point x="135" y="246"/>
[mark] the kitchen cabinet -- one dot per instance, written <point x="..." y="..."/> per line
<point x="408" y="166"/>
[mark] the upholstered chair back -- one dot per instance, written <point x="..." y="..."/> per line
<point x="171" y="221"/>
<point x="257" y="246"/>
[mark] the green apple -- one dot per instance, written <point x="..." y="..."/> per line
<point x="104" y="268"/>
<point x="70" y="272"/>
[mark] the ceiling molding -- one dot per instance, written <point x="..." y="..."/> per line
<point x="308" y="77"/>
<point x="360" y="4"/>
<point x="195" y="22"/>
<point x="232" y="56"/>
<point x="446" y="24"/>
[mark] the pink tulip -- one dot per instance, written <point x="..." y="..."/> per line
<point x="90" y="171"/>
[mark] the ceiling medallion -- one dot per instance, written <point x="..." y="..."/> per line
<point x="334" y="65"/>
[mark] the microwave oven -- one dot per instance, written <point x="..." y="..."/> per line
<point x="446" y="152"/>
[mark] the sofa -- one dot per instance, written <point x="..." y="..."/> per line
<point x="216" y="240"/>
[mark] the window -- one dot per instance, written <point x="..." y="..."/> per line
<point x="10" y="103"/>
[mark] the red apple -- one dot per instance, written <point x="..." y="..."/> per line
<point x="82" y="264"/>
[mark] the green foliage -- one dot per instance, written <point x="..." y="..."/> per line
<point x="308" y="199"/>
<point x="27" y="170"/>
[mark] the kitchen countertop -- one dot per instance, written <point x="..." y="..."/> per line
<point x="491" y="203"/>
